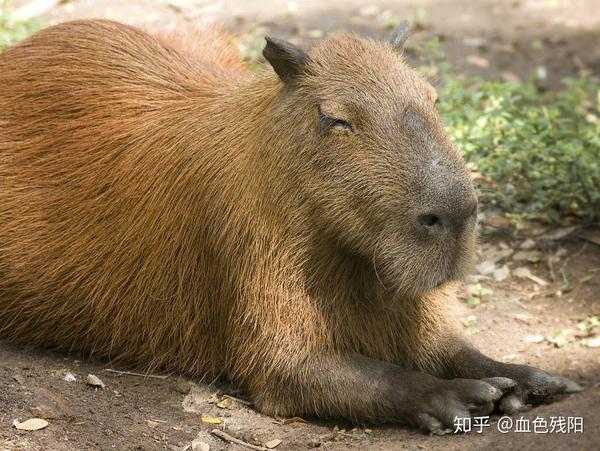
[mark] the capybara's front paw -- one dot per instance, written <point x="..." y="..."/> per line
<point x="447" y="400"/>
<point x="534" y="386"/>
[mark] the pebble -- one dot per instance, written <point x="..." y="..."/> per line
<point x="486" y="267"/>
<point x="502" y="273"/>
<point x="199" y="445"/>
<point x="49" y="405"/>
<point x="94" y="381"/>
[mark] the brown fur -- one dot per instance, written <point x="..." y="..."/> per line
<point x="162" y="206"/>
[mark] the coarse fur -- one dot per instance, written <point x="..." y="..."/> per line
<point x="161" y="205"/>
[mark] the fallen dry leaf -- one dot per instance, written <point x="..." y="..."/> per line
<point x="293" y="420"/>
<point x="69" y="377"/>
<point x="210" y="420"/>
<point x="225" y="403"/>
<point x="33" y="424"/>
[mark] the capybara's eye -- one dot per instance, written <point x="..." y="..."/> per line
<point x="329" y="122"/>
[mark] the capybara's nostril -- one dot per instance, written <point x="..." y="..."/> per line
<point x="429" y="221"/>
<point x="449" y="219"/>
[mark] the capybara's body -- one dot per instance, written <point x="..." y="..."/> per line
<point x="162" y="206"/>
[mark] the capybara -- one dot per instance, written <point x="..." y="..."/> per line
<point x="299" y="232"/>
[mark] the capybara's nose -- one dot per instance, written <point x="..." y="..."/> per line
<point x="448" y="219"/>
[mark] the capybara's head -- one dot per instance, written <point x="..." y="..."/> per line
<point x="372" y="159"/>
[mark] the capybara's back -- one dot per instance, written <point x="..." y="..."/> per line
<point x="299" y="231"/>
<point x="99" y="205"/>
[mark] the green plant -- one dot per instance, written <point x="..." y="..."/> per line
<point x="11" y="29"/>
<point x="540" y="151"/>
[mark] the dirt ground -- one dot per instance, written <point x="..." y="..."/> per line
<point x="516" y="322"/>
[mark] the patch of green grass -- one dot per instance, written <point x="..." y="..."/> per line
<point x="11" y="29"/>
<point x="539" y="149"/>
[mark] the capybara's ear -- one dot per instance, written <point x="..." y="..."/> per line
<point x="400" y="34"/>
<point x="287" y="60"/>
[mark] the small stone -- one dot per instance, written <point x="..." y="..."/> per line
<point x="183" y="386"/>
<point x="199" y="445"/>
<point x="520" y="256"/>
<point x="592" y="342"/>
<point x="534" y="256"/>
<point x="533" y="339"/>
<point x="273" y="443"/>
<point x="502" y="273"/>
<point x="502" y="254"/>
<point x="94" y="381"/>
<point x="486" y="267"/>
<point x="522" y="272"/>
<point x="541" y="73"/>
<point x="527" y="244"/>
<point x="49" y="405"/>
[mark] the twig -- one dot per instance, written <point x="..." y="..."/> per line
<point x="129" y="373"/>
<point x="231" y="439"/>
<point x="566" y="285"/>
